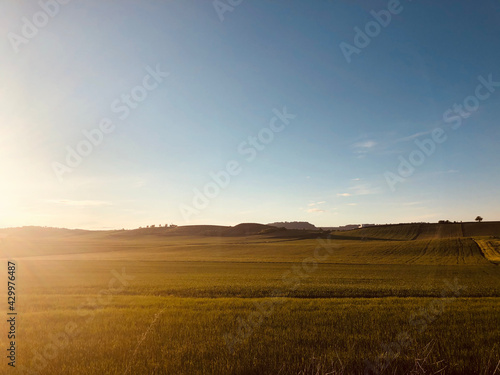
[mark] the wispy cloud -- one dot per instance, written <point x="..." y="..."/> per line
<point x="389" y="144"/>
<point x="413" y="136"/>
<point x="364" y="189"/>
<point x="82" y="203"/>
<point x="352" y="204"/>
<point x="315" y="210"/>
<point x="364" y="147"/>
<point x="343" y="195"/>
<point x="360" y="189"/>
<point x="316" y="203"/>
<point x="365" y="144"/>
<point x="412" y="203"/>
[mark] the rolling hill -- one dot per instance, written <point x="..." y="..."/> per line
<point x="419" y="243"/>
<point x="406" y="232"/>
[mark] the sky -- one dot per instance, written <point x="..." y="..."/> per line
<point x="133" y="113"/>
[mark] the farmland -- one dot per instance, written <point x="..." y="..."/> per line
<point x="250" y="300"/>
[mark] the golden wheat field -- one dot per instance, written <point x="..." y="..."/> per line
<point x="158" y="302"/>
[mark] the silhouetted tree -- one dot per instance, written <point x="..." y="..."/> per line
<point x="479" y="219"/>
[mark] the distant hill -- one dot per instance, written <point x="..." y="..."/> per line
<point x="186" y="230"/>
<point x="39" y="232"/>
<point x="423" y="231"/>
<point x="294" y="225"/>
<point x="346" y="227"/>
<point x="244" y="229"/>
<point x="297" y="229"/>
<point x="247" y="229"/>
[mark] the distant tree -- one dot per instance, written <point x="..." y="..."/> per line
<point x="152" y="226"/>
<point x="478" y="219"/>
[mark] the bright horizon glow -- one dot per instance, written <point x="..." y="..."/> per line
<point x="353" y="120"/>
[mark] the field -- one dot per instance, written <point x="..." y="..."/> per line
<point x="413" y="298"/>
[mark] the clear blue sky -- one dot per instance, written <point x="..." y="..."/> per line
<point x="329" y="165"/>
